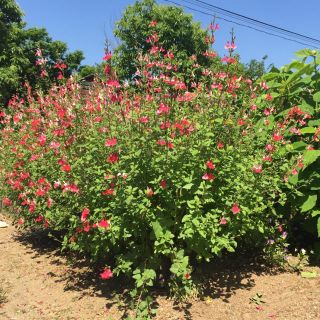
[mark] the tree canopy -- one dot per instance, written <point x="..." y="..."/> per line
<point x="174" y="28"/>
<point x="18" y="46"/>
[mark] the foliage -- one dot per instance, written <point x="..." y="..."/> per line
<point x="295" y="89"/>
<point x="175" y="29"/>
<point x="18" y="46"/>
<point x="255" y="69"/>
<point x="151" y="176"/>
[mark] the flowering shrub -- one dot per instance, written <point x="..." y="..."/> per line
<point x="146" y="175"/>
<point x="295" y="89"/>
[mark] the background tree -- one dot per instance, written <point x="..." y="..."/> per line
<point x="256" y="69"/>
<point x="17" y="54"/>
<point x="174" y="28"/>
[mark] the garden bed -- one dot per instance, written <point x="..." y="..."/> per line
<point x="40" y="283"/>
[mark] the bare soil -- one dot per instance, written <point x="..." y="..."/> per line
<point x="40" y="283"/>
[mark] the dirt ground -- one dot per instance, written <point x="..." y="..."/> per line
<point x="40" y="283"/>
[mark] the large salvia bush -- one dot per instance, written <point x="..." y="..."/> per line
<point x="146" y="175"/>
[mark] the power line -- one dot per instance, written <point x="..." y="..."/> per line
<point x="256" y="21"/>
<point x="247" y="26"/>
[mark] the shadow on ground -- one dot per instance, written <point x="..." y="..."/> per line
<point x="218" y="280"/>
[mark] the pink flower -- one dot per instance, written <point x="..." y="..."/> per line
<point x="149" y="192"/>
<point x="230" y="46"/>
<point x="111" y="142"/>
<point x="144" y="119"/>
<point x="270" y="147"/>
<point x="42" y="139"/>
<point x="106" y="274"/>
<point x="163" y="109"/>
<point x="208" y="176"/>
<point x="223" y="221"/>
<point x="257" y="168"/>
<point x="113" y="158"/>
<point x="49" y="203"/>
<point x="6" y="202"/>
<point x="104" y="224"/>
<point x="235" y="208"/>
<point x="56" y="184"/>
<point x="85" y="213"/>
<point x="294" y="171"/>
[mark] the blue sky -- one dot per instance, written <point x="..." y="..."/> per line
<point x="83" y="24"/>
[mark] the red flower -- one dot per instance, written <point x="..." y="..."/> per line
<point x="108" y="192"/>
<point x="85" y="213"/>
<point x="220" y="145"/>
<point x="161" y="142"/>
<point x="86" y="226"/>
<point x="210" y="164"/>
<point x="106" y="274"/>
<point x="208" y="176"/>
<point x="170" y="145"/>
<point x="104" y="223"/>
<point x="113" y="158"/>
<point x="111" y="142"/>
<point x="235" y="208"/>
<point x="107" y="56"/>
<point x="277" y="136"/>
<point x="38" y="219"/>
<point x="187" y="276"/>
<point x="163" y="184"/>
<point x="257" y="168"/>
<point x="66" y="167"/>
<point x="153" y="23"/>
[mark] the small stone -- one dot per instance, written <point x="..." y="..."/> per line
<point x="3" y="224"/>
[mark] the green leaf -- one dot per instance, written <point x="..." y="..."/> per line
<point x="316" y="97"/>
<point x="308" y="130"/>
<point x="157" y="229"/>
<point x="304" y="53"/>
<point x="188" y="186"/>
<point x="309" y="275"/>
<point x="309" y="203"/>
<point x="299" y="145"/>
<point x="315" y="213"/>
<point x="314" y="123"/>
<point x="310" y="156"/>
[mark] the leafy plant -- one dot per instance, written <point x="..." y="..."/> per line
<point x="149" y="177"/>
<point x="295" y="90"/>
